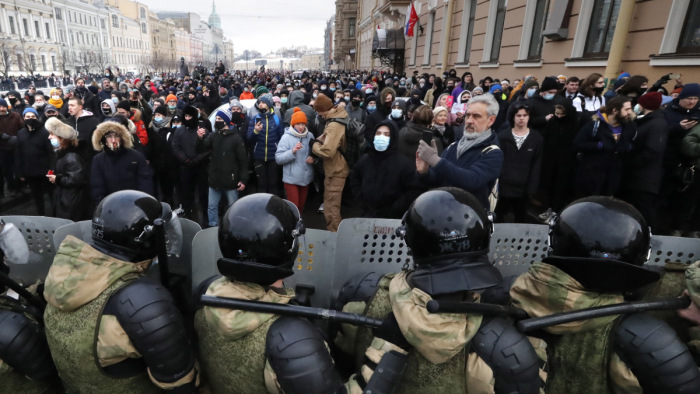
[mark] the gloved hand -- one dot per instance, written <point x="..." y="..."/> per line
<point x="428" y="153"/>
<point x="390" y="332"/>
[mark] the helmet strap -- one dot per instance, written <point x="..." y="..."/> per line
<point x="253" y="272"/>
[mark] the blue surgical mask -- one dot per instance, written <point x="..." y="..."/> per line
<point x="115" y="100"/>
<point x="396" y="113"/>
<point x="548" y="96"/>
<point x="158" y="119"/>
<point x="172" y="106"/>
<point x="55" y="143"/>
<point x="381" y="142"/>
<point x="371" y="108"/>
<point x="368" y="91"/>
<point x="531" y="92"/>
<point x="332" y="89"/>
<point x="283" y="100"/>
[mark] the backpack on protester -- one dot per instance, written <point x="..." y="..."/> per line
<point x="354" y="139"/>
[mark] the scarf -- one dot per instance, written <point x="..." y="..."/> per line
<point x="56" y="103"/>
<point x="471" y="139"/>
<point x="440" y="128"/>
<point x="298" y="135"/>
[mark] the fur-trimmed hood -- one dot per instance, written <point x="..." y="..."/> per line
<point x="60" y="129"/>
<point x="107" y="127"/>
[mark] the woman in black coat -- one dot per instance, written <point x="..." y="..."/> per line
<point x="71" y="198"/>
<point x="383" y="181"/>
<point x="34" y="156"/>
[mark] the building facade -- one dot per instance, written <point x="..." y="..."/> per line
<point x="374" y="14"/>
<point x="163" y="44"/>
<point x="345" y="34"/>
<point x="83" y="33"/>
<point x="328" y="44"/>
<point x="28" y="41"/>
<point x="513" y="38"/>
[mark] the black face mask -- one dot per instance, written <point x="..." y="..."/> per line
<point x="356" y="103"/>
<point x="12" y="100"/>
<point x="134" y="103"/>
<point x="31" y="123"/>
<point x="219" y="124"/>
<point x="237" y="117"/>
<point x="598" y="90"/>
<point x="262" y="110"/>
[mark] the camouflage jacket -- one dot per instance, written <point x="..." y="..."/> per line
<point x="545" y="290"/>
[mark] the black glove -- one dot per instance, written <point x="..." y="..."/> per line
<point x="390" y="331"/>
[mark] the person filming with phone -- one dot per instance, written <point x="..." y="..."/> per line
<point x="474" y="162"/>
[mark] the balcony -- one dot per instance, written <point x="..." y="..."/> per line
<point x="391" y="8"/>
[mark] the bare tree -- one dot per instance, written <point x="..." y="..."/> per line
<point x="5" y="59"/>
<point x="65" y="60"/>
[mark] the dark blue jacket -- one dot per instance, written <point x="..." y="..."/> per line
<point x="474" y="171"/>
<point x="265" y="141"/>
<point x="111" y="172"/>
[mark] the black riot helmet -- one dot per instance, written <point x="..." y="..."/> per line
<point x="258" y="238"/>
<point x="123" y="224"/>
<point x="603" y="243"/>
<point x="448" y="233"/>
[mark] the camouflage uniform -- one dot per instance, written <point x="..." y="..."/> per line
<point x="82" y="339"/>
<point x="227" y="336"/>
<point x="576" y="349"/>
<point x="440" y="361"/>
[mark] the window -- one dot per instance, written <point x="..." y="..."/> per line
<point x="498" y="30"/>
<point x="534" y="51"/>
<point x="143" y="28"/>
<point x="53" y="62"/>
<point x="12" y="26"/>
<point x="690" y="36"/>
<point x="32" y="61"/>
<point x="62" y="36"/>
<point x="428" y="46"/>
<point x="48" y="30"/>
<point x="72" y="41"/>
<point x="36" y="28"/>
<point x="25" y="24"/>
<point x="115" y="21"/>
<point x="43" y="62"/>
<point x="351" y="27"/>
<point x="58" y="14"/>
<point x="102" y="23"/>
<point x="20" y="62"/>
<point x="601" y="28"/>
<point x="465" y="46"/>
<point x="70" y="18"/>
<point x="143" y="13"/>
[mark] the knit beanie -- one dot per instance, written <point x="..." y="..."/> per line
<point x="549" y="83"/>
<point x="225" y="115"/>
<point x="266" y="100"/>
<point x="30" y="109"/>
<point x="170" y="97"/>
<point x="477" y="89"/>
<point x="3" y="103"/>
<point x="125" y="105"/>
<point x="690" y="90"/>
<point x="237" y="104"/>
<point x="651" y="101"/>
<point x="161" y="110"/>
<point x="260" y="91"/>
<point x="439" y="109"/>
<point x="495" y="87"/>
<point x="298" y="116"/>
<point x="323" y="103"/>
<point x="529" y="84"/>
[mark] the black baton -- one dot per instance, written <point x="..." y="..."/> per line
<point x="435" y="306"/>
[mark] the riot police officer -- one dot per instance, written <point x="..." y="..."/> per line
<point x="447" y="232"/>
<point x="110" y="329"/>
<point x="598" y="248"/>
<point x="25" y="361"/>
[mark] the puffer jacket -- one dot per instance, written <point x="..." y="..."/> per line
<point x="295" y="170"/>
<point x="266" y="140"/>
<point x="228" y="160"/>
<point x="333" y="138"/>
<point x="71" y="198"/>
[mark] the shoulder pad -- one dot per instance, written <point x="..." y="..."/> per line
<point x="23" y="346"/>
<point x="360" y="287"/>
<point x="656" y="355"/>
<point x="297" y="353"/>
<point x="510" y="355"/>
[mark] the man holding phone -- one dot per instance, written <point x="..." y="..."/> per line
<point x="265" y="131"/>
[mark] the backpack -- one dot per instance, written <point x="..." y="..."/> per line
<point x="354" y="139"/>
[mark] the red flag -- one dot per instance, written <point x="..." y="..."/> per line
<point x="411" y="20"/>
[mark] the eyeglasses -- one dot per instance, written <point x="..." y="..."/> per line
<point x="522" y="106"/>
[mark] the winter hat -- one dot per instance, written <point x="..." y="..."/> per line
<point x="237" y="104"/>
<point x="3" y="103"/>
<point x="530" y="83"/>
<point x="549" y="83"/>
<point x="125" y="105"/>
<point x="29" y="109"/>
<point x="690" y="90"/>
<point x="161" y="110"/>
<point x="561" y="78"/>
<point x="357" y="93"/>
<point x="266" y="100"/>
<point x="260" y="91"/>
<point x="439" y="109"/>
<point x="650" y="101"/>
<point x="323" y="103"/>
<point x="60" y="129"/>
<point x="136" y="81"/>
<point x="624" y="75"/>
<point x="225" y="115"/>
<point x="170" y="97"/>
<point x="68" y="89"/>
<point x="298" y="116"/>
<point x="92" y="89"/>
<point x="495" y="87"/>
<point x="477" y="89"/>
<point x="276" y="99"/>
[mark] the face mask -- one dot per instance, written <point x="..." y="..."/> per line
<point x="56" y="97"/>
<point x="356" y="103"/>
<point x="381" y="143"/>
<point x="134" y="103"/>
<point x="531" y="92"/>
<point x="262" y="110"/>
<point x="55" y="143"/>
<point x="421" y="85"/>
<point x="219" y="124"/>
<point x="172" y="106"/>
<point x="396" y="113"/>
<point x="638" y="109"/>
<point x="598" y="90"/>
<point x="323" y="88"/>
<point x="246" y="89"/>
<point x="115" y="100"/>
<point x="314" y="95"/>
<point x="347" y="98"/>
<point x="158" y="119"/>
<point x="369" y="91"/>
<point x="283" y="100"/>
<point x="371" y="108"/>
<point x="31" y="122"/>
<point x="548" y="96"/>
<point x="40" y="105"/>
<point x="332" y="89"/>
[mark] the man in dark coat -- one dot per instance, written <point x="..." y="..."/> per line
<point x="119" y="166"/>
<point x="542" y="103"/>
<point x="192" y="158"/>
<point x="643" y="169"/>
<point x="10" y="123"/>
<point x="265" y="130"/>
<point x="386" y="99"/>
<point x="83" y="121"/>
<point x="34" y="156"/>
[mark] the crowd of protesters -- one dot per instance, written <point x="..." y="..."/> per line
<point x="374" y="140"/>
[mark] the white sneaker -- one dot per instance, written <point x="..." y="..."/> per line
<point x="320" y="208"/>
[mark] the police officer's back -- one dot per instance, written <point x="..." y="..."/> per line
<point x="599" y="246"/>
<point x="110" y="330"/>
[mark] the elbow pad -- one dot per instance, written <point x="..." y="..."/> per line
<point x="23" y="346"/>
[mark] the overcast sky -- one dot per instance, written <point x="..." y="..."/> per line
<point x="261" y="25"/>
